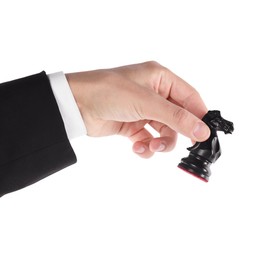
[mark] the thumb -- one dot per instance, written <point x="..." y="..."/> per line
<point x="177" y="118"/>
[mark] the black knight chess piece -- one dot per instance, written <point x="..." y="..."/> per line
<point x="203" y="154"/>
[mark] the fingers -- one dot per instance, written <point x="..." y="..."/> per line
<point x="141" y="140"/>
<point x="178" y="104"/>
<point x="142" y="149"/>
<point x="167" y="140"/>
<point x="167" y="84"/>
<point x="175" y="89"/>
<point x="187" y="96"/>
<point x="145" y="145"/>
<point x="176" y="117"/>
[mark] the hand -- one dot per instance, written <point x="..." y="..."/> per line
<point x="123" y="100"/>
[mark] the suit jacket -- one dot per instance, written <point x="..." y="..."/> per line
<point x="33" y="140"/>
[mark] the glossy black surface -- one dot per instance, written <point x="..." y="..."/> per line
<point x="203" y="154"/>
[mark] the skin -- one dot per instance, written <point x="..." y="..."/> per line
<point x="123" y="100"/>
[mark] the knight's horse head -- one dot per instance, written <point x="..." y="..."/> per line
<point x="214" y="120"/>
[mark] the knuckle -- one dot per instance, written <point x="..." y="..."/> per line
<point x="153" y="65"/>
<point x="195" y="94"/>
<point x="155" y="70"/>
<point x="180" y="115"/>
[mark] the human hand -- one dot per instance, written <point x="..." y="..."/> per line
<point x="123" y="100"/>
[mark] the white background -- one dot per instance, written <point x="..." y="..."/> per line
<point x="112" y="204"/>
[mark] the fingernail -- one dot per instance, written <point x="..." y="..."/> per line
<point x="141" y="149"/>
<point x="161" y="147"/>
<point x="201" y="131"/>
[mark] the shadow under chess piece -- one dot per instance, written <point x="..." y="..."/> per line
<point x="203" y="154"/>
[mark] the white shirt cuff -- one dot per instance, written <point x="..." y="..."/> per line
<point x="69" y="110"/>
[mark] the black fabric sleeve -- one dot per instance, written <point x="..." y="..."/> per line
<point x="33" y="140"/>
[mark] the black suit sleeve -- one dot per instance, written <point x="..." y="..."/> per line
<point x="33" y="140"/>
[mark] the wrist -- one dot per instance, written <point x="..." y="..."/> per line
<point x="77" y="84"/>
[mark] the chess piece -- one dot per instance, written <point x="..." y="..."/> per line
<point x="203" y="154"/>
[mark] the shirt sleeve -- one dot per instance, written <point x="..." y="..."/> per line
<point x="69" y="110"/>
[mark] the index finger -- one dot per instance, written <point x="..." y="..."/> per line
<point x="167" y="84"/>
<point x="185" y="95"/>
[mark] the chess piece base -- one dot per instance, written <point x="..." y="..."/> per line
<point x="196" y="165"/>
